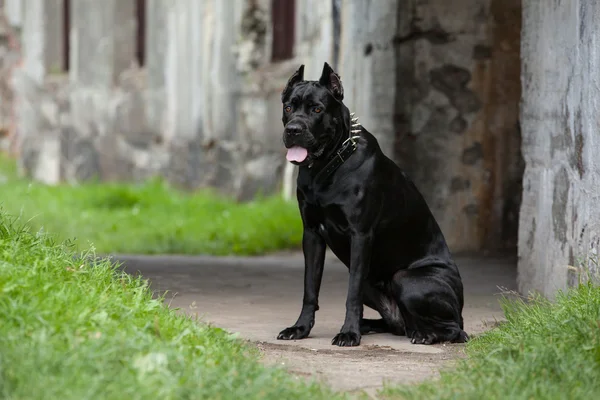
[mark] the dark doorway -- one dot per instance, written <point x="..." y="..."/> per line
<point x="283" y="14"/>
<point x="140" y="46"/>
<point x="66" y="31"/>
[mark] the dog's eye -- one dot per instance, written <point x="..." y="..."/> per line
<point x="317" y="109"/>
<point x="287" y="108"/>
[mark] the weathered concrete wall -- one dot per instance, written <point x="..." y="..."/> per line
<point x="436" y="81"/>
<point x="560" y="214"/>
<point x="456" y="115"/>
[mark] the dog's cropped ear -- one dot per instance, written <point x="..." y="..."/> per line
<point x="296" y="77"/>
<point x="332" y="81"/>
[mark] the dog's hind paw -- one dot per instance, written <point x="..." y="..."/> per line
<point x="418" y="338"/>
<point x="462" y="337"/>
<point x="293" y="333"/>
<point x="346" y="339"/>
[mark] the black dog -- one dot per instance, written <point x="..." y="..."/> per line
<point x="358" y="202"/>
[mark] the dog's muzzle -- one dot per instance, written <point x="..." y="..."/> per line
<point x="296" y="150"/>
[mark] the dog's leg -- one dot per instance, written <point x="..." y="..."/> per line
<point x="383" y="302"/>
<point x="430" y="303"/>
<point x="360" y="258"/>
<point x="313" y="247"/>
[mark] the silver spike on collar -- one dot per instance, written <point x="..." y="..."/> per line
<point x="354" y="128"/>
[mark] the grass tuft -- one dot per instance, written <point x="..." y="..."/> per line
<point x="544" y="350"/>
<point x="73" y="329"/>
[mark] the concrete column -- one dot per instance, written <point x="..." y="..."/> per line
<point x="42" y="54"/>
<point x="102" y="41"/>
<point x="560" y="214"/>
<point x="314" y="35"/>
<point x="185" y="68"/>
<point x="156" y="50"/>
<point x="13" y="9"/>
<point x="42" y="37"/>
<point x="368" y="65"/>
<point x="200" y="69"/>
<point x="102" y="49"/>
<point x="224" y="78"/>
<point x="200" y="86"/>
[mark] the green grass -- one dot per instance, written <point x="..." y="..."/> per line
<point x="544" y="351"/>
<point x="152" y="218"/>
<point x="77" y="330"/>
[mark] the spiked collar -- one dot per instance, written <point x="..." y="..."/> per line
<point x="348" y="148"/>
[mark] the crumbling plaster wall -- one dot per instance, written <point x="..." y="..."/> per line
<point x="456" y="121"/>
<point x="436" y="82"/>
<point x="198" y="113"/>
<point x="560" y="214"/>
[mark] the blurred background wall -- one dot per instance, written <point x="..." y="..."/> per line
<point x="190" y="90"/>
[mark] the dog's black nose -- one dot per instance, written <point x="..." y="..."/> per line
<point x="293" y="129"/>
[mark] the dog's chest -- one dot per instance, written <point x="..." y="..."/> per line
<point x="334" y="224"/>
<point x="327" y="207"/>
<point x="335" y="230"/>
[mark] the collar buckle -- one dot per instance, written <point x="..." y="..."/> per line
<point x="352" y="139"/>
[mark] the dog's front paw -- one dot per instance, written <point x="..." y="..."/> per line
<point x="293" y="332"/>
<point x="346" y="339"/>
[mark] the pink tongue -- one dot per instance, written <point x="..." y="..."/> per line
<point x="297" y="154"/>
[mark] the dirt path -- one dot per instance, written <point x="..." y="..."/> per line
<point x="257" y="297"/>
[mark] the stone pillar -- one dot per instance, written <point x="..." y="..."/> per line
<point x="560" y="213"/>
<point x="184" y="68"/>
<point x="224" y="79"/>
<point x="42" y="38"/>
<point x="102" y="41"/>
<point x="200" y="83"/>
<point x="102" y="51"/>
<point x="156" y="47"/>
<point x="199" y="69"/>
<point x="42" y="54"/>
<point x="314" y="35"/>
<point x="368" y="65"/>
<point x="13" y="9"/>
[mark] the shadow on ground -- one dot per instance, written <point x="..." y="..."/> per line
<point x="259" y="296"/>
